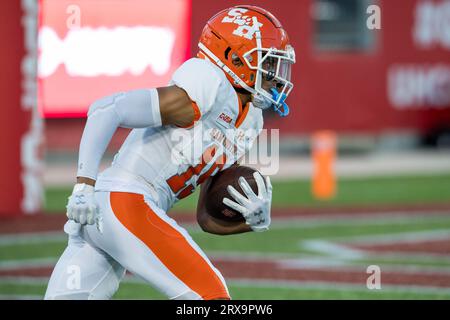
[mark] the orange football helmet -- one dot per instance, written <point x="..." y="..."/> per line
<point x="250" y="45"/>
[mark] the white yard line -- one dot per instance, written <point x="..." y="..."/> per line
<point x="332" y="249"/>
<point x="341" y="249"/>
<point x="340" y="254"/>
<point x="400" y="237"/>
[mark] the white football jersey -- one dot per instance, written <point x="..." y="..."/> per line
<point x="170" y="162"/>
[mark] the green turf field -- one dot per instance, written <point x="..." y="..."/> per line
<point x="135" y="291"/>
<point x="293" y="241"/>
<point x="351" y="192"/>
<point x="284" y="241"/>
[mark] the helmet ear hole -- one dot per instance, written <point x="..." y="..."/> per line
<point x="227" y="51"/>
<point x="236" y="60"/>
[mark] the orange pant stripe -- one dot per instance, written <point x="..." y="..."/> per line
<point x="168" y="244"/>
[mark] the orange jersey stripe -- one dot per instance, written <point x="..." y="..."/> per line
<point x="168" y="244"/>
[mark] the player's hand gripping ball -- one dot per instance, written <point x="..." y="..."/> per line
<point x="241" y="193"/>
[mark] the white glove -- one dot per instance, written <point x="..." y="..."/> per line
<point x="82" y="207"/>
<point x="254" y="208"/>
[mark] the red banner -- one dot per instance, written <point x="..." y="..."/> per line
<point x="89" y="49"/>
<point x="401" y="82"/>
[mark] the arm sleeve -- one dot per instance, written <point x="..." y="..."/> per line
<point x="133" y="109"/>
<point x="201" y="80"/>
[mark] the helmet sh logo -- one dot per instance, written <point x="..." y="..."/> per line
<point x="247" y="25"/>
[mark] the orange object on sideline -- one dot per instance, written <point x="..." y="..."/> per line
<point x="323" y="156"/>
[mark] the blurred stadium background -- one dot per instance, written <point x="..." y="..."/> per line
<point x="382" y="94"/>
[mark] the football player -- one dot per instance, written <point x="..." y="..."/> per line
<point x="118" y="220"/>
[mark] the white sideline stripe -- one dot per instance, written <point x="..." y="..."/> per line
<point x="349" y="220"/>
<point x="278" y="223"/>
<point x="345" y="266"/>
<point x="255" y="283"/>
<point x="345" y="220"/>
<point x="258" y="256"/>
<point x="59" y="236"/>
<point x="332" y="285"/>
<point x="299" y="284"/>
<point x="329" y="263"/>
<point x="410" y="256"/>
<point x="319" y="263"/>
<point x="24" y="280"/>
<point x="287" y="259"/>
<point x="314" y="261"/>
<point x="32" y="238"/>
<point x="415" y="163"/>
<point x="20" y="297"/>
<point x="28" y="263"/>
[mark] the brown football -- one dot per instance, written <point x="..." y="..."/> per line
<point x="217" y="190"/>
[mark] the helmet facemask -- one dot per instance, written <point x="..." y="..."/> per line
<point x="272" y="66"/>
<point x="264" y="72"/>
